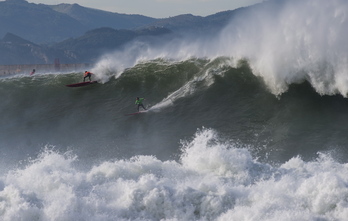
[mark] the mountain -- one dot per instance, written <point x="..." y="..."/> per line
<point x="84" y="49"/>
<point x="99" y="41"/>
<point x="191" y="24"/>
<point x="15" y="50"/>
<point x="41" y="23"/>
<point x="37" y="23"/>
<point x="38" y="33"/>
<point x="93" y="18"/>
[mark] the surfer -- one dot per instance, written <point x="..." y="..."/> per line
<point x="139" y="102"/>
<point x="33" y="72"/>
<point x="87" y="74"/>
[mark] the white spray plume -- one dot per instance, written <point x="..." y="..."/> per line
<point x="285" y="42"/>
<point x="291" y="41"/>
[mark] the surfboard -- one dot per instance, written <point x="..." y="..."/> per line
<point x="81" y="84"/>
<point x="140" y="112"/>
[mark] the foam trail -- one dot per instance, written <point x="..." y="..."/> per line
<point x="184" y="91"/>
<point x="206" y="75"/>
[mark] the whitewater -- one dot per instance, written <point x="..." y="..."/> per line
<point x="246" y="124"/>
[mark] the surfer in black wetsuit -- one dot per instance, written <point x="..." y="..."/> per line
<point x="33" y="72"/>
<point x="87" y="74"/>
<point x="139" y="102"/>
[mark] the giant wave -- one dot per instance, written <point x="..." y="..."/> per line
<point x="247" y="125"/>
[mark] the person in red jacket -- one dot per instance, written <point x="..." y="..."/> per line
<point x="87" y="74"/>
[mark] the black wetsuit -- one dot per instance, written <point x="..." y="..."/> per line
<point x="88" y="74"/>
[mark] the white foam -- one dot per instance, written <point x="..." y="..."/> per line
<point x="285" y="45"/>
<point x="297" y="41"/>
<point x="214" y="180"/>
<point x="205" y="77"/>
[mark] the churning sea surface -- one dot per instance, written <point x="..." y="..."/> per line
<point x="248" y="124"/>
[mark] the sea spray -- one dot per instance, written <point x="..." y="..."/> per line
<point x="285" y="42"/>
<point x="214" y="180"/>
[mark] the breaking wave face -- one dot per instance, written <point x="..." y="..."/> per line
<point x="214" y="180"/>
<point x="256" y="156"/>
<point x="291" y="41"/>
<point x="285" y="42"/>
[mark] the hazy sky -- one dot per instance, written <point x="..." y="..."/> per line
<point x="158" y="8"/>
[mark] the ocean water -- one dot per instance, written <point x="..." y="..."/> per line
<point x="247" y="124"/>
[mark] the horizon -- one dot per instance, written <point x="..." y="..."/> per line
<point x="157" y="8"/>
